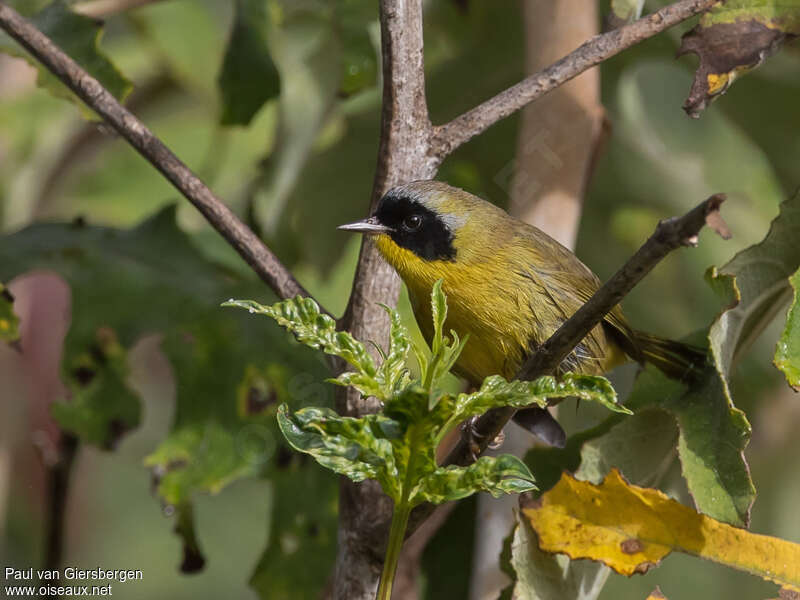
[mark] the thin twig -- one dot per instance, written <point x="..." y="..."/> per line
<point x="450" y="136"/>
<point x="58" y="476"/>
<point x="88" y="89"/>
<point x="669" y="235"/>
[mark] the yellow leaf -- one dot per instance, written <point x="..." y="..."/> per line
<point x="631" y="529"/>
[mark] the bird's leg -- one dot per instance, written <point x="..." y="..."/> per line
<point x="474" y="435"/>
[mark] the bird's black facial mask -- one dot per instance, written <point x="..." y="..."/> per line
<point x="416" y="227"/>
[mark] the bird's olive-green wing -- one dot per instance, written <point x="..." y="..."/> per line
<point x="569" y="283"/>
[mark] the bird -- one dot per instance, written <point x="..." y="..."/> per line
<point x="509" y="286"/>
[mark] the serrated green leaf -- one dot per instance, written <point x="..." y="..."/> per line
<point x="504" y="474"/>
<point x="102" y="407"/>
<point x="438" y="314"/>
<point x="444" y="351"/>
<point x="79" y="37"/>
<point x="496" y="391"/>
<point x="357" y="448"/>
<point x="303" y="318"/>
<point x="393" y="373"/>
<point x="787" y="353"/>
<point x="229" y="375"/>
<point x="248" y="77"/>
<point x="9" y="321"/>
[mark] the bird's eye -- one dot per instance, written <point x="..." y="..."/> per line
<point x="412" y="222"/>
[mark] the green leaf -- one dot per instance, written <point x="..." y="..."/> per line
<point x="787" y="354"/>
<point x="496" y="391"/>
<point x="732" y="38"/>
<point x="504" y="474"/>
<point x="393" y="373"/>
<point x="359" y="52"/>
<point x="9" y="322"/>
<point x="229" y="376"/>
<point x="79" y="37"/>
<point x="444" y="351"/>
<point x="307" y="53"/>
<point x="399" y="445"/>
<point x="357" y="448"/>
<point x="102" y="407"/>
<point x="303" y="318"/>
<point x="248" y="77"/>
<point x="753" y="286"/>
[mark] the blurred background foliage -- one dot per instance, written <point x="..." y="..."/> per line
<point x="294" y="151"/>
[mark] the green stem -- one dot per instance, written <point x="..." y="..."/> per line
<point x="397" y="534"/>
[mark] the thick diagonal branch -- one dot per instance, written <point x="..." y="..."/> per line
<point x="450" y="136"/>
<point x="100" y="100"/>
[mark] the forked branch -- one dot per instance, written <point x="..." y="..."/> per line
<point x="450" y="136"/>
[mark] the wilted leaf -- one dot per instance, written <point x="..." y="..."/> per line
<point x="248" y="77"/>
<point x="631" y="529"/>
<point x="732" y="38"/>
<point x="79" y="37"/>
<point x="656" y="595"/>
<point x="787" y="355"/>
<point x="9" y="322"/>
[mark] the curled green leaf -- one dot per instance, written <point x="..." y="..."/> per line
<point x="302" y="317"/>
<point x="505" y="474"/>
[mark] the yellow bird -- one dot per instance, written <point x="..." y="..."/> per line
<point x="509" y="286"/>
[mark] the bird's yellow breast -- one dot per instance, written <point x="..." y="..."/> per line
<point x="495" y="300"/>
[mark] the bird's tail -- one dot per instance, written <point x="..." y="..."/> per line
<point x="675" y="359"/>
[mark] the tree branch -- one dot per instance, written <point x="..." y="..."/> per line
<point x="58" y="479"/>
<point x="88" y="89"/>
<point x="669" y="235"/>
<point x="450" y="136"/>
<point x="364" y="511"/>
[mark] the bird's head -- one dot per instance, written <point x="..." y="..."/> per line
<point x="431" y="220"/>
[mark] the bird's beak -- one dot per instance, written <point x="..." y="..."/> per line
<point x="368" y="226"/>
